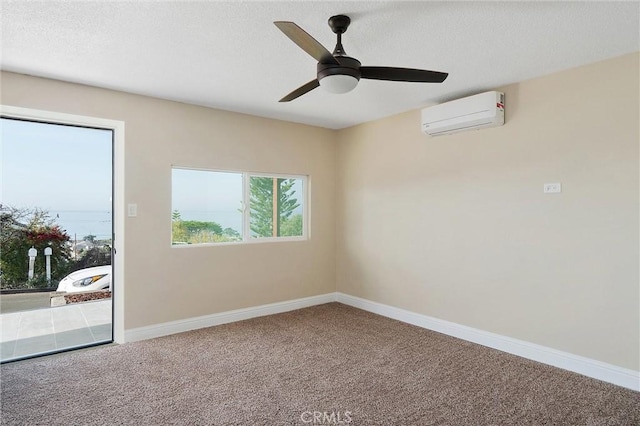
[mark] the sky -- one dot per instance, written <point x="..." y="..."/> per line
<point x="198" y="190"/>
<point x="55" y="167"/>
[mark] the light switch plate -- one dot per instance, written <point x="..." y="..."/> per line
<point x="132" y="210"/>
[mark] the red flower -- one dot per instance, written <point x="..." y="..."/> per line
<point x="47" y="234"/>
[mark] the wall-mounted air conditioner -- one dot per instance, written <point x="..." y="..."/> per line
<point x="474" y="112"/>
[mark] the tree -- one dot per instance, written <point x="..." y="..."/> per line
<point x="264" y="191"/>
<point x="21" y="229"/>
<point x="232" y="234"/>
<point x="291" y="227"/>
<point x="89" y="238"/>
<point x="95" y="256"/>
<point x="196" y="226"/>
<point x="195" y="231"/>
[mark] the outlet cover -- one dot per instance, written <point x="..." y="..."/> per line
<point x="552" y="188"/>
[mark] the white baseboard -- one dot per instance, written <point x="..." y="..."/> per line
<point x="167" y="328"/>
<point x="588" y="367"/>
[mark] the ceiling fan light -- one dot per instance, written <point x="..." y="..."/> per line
<point x="338" y="83"/>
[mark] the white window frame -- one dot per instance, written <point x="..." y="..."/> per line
<point x="246" y="214"/>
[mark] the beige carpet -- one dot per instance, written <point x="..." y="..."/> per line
<point x="343" y="363"/>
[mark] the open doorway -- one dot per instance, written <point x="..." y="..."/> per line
<point x="57" y="257"/>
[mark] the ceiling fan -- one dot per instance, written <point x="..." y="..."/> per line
<point x="339" y="73"/>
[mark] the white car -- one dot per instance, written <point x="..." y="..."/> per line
<point x="96" y="278"/>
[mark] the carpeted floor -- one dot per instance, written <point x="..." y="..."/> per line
<point x="321" y="365"/>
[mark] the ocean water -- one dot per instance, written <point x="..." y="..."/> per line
<point x="79" y="223"/>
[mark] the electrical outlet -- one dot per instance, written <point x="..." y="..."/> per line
<point x="552" y="188"/>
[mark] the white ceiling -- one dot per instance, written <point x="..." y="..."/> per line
<point x="229" y="55"/>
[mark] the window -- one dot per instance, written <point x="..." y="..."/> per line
<point x="210" y="207"/>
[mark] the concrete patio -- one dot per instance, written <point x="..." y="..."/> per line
<point x="32" y="332"/>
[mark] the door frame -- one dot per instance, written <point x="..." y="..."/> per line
<point x="118" y="254"/>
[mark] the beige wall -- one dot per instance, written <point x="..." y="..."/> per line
<point x="457" y="227"/>
<point x="166" y="284"/>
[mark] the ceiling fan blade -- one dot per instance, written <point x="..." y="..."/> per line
<point x="402" y="74"/>
<point x="301" y="90"/>
<point x="306" y="42"/>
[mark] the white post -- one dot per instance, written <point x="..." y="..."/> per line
<point x="47" y="253"/>
<point x="32" y="260"/>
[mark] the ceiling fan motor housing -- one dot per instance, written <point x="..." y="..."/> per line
<point x="348" y="66"/>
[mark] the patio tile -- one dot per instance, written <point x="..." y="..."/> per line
<point x="7" y="348"/>
<point x="39" y="331"/>
<point x="35" y="345"/>
<point x="68" y="339"/>
<point x="9" y="326"/>
<point x="102" y="332"/>
<point x="36" y="323"/>
<point x="67" y="318"/>
<point x="97" y="313"/>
